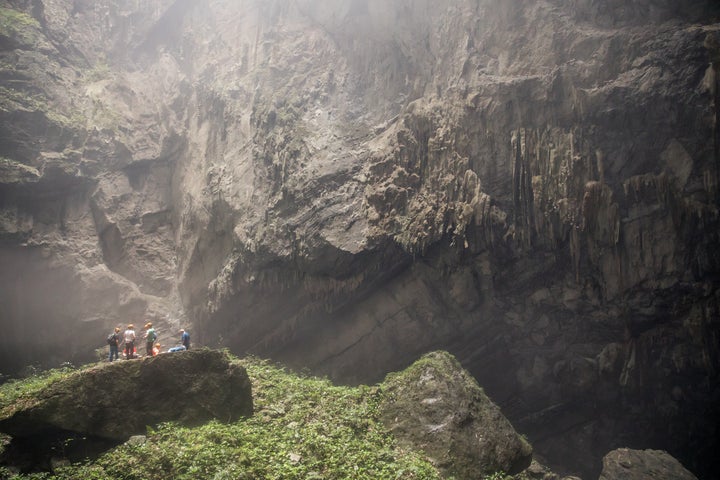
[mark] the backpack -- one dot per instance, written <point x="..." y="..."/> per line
<point x="111" y="339"/>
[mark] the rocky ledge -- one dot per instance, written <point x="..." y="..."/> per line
<point x="108" y="403"/>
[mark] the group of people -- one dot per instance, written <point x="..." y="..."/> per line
<point x="152" y="348"/>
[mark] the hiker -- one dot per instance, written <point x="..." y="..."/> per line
<point x="113" y="341"/>
<point x="129" y="342"/>
<point x="150" y="337"/>
<point x="156" y="349"/>
<point x="185" y="339"/>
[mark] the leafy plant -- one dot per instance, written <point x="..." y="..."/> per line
<point x="496" y="476"/>
<point x="303" y="428"/>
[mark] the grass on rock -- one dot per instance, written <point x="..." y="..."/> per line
<point x="303" y="428"/>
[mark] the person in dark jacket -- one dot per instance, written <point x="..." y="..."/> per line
<point x="185" y="339"/>
<point x="114" y="342"/>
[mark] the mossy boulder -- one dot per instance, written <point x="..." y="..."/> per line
<point x="628" y="464"/>
<point x="438" y="407"/>
<point x="115" y="400"/>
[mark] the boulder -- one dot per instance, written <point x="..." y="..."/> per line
<point x="538" y="471"/>
<point x="110" y="402"/>
<point x="436" y="406"/>
<point x="530" y="185"/>
<point x="627" y="464"/>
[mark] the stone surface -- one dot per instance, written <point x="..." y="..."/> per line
<point x="436" y="406"/>
<point x="538" y="471"/>
<point x="627" y="464"/>
<point x="532" y="185"/>
<point x="114" y="401"/>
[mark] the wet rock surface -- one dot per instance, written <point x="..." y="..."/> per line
<point x="532" y="186"/>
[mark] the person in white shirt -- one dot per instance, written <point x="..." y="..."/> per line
<point x="129" y="336"/>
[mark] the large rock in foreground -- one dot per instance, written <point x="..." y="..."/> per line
<point x="116" y="400"/>
<point x="436" y="406"/>
<point x="627" y="464"/>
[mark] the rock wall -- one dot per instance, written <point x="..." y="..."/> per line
<point x="530" y="185"/>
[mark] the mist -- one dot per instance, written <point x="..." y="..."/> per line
<point x="343" y="186"/>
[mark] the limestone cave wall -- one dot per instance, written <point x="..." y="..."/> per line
<point x="342" y="185"/>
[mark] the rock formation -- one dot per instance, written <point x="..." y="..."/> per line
<point x="437" y="407"/>
<point x="531" y="185"/>
<point x="627" y="464"/>
<point x="113" y="401"/>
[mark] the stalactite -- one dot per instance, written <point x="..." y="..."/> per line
<point x="600" y="214"/>
<point x="517" y="162"/>
<point x="575" y="251"/>
<point x="629" y="365"/>
<point x="712" y="178"/>
<point x="522" y="187"/>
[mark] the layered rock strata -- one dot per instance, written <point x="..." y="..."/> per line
<point x="530" y="185"/>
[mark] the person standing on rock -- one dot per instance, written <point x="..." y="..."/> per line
<point x="129" y="336"/>
<point x="150" y="337"/>
<point x="114" y="342"/>
<point x="185" y="339"/>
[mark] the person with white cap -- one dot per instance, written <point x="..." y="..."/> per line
<point x="129" y="337"/>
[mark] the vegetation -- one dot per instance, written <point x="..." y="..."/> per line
<point x="303" y="428"/>
<point x="25" y="32"/>
<point x="19" y="26"/>
<point x="12" y="99"/>
<point x="101" y="71"/>
<point x="15" y="392"/>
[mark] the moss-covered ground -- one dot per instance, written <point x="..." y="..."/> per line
<point x="303" y="428"/>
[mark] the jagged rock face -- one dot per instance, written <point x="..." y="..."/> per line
<point x="531" y="185"/>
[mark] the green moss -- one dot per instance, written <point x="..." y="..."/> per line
<point x="16" y="392"/>
<point x="73" y="120"/>
<point x="12" y="100"/>
<point x="19" y="26"/>
<point x="445" y="364"/>
<point x="100" y="71"/>
<point x="303" y="428"/>
<point x="435" y="388"/>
